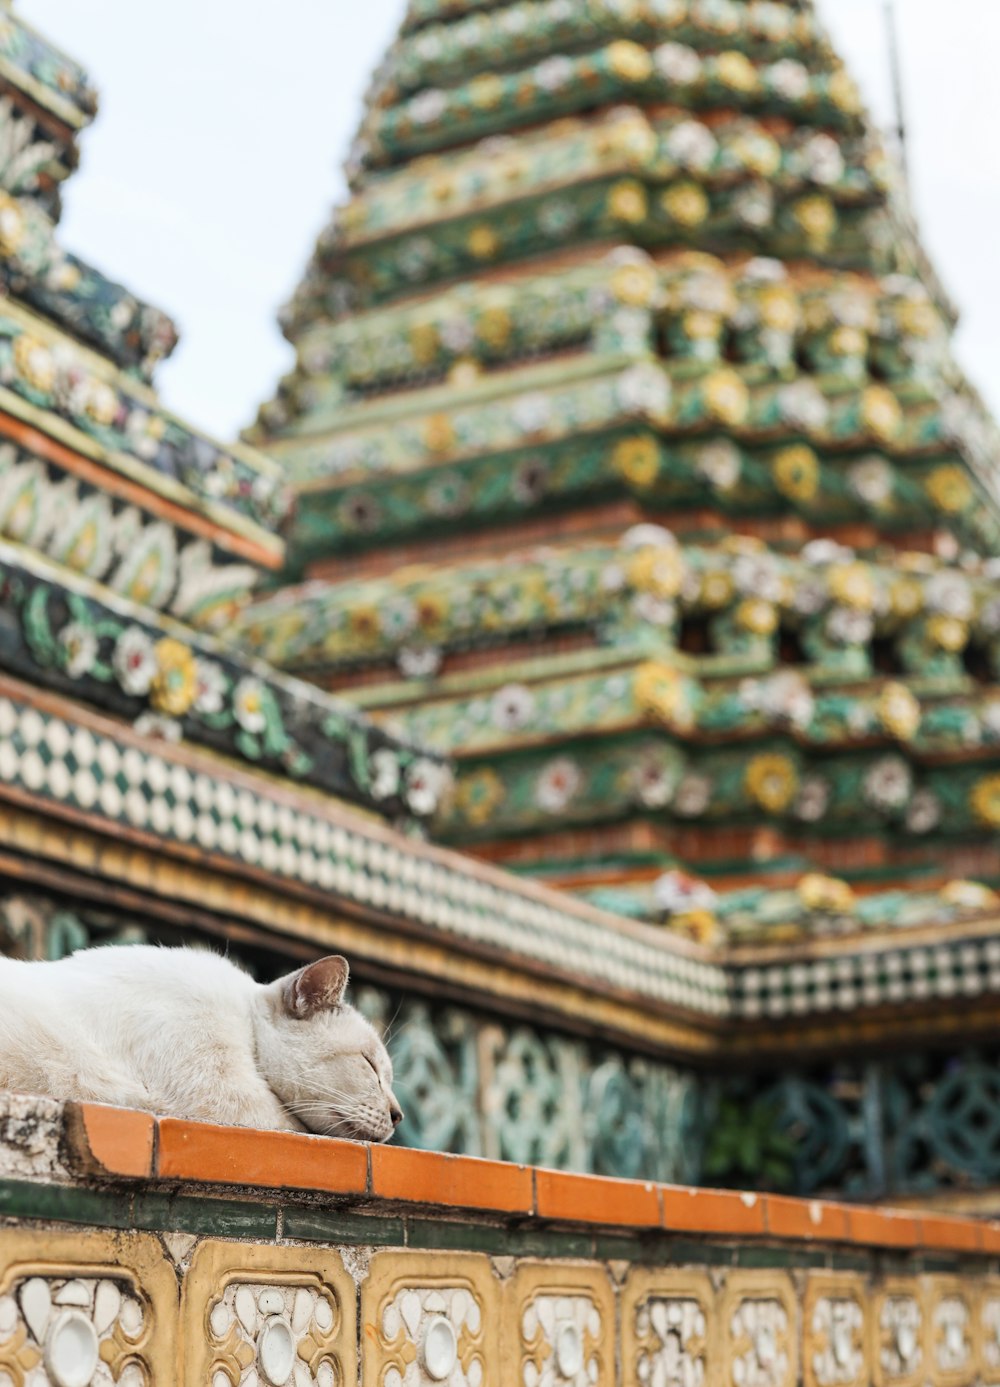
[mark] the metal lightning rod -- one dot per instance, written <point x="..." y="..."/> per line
<point x="897" y="86"/>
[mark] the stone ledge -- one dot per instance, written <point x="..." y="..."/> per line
<point x="104" y="1143"/>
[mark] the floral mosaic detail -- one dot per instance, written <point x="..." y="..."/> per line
<point x="173" y="685"/>
<point x="29" y="163"/>
<point x="760" y="1348"/>
<point x="275" y="1333"/>
<point x="837" y="1343"/>
<point x="92" y="307"/>
<point x="671" y="1336"/>
<point x="432" y="1334"/>
<point x="74" y="1329"/>
<point x="135" y="555"/>
<point x="561" y="1341"/>
<point x="900" y="1338"/>
<point x="52" y="374"/>
<point x="22" y="49"/>
<point x="951" y="1331"/>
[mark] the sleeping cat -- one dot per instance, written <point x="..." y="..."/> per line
<point x="186" y="1033"/>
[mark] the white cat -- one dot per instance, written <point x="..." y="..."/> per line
<point x="186" y="1033"/>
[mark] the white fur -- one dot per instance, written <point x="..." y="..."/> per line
<point x="187" y="1033"/>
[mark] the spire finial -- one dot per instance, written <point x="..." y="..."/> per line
<point x="897" y="85"/>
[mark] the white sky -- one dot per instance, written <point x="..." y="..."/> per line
<point x="215" y="160"/>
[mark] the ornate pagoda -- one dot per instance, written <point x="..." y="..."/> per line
<point x="633" y="471"/>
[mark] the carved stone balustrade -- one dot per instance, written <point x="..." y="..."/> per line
<point x="139" y="1250"/>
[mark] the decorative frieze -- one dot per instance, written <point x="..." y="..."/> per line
<point x="85" y="1308"/>
<point x="951" y="1309"/>
<point x="835" y="1329"/>
<point x="759" y="1329"/>
<point x="427" y="1320"/>
<point x="269" y="1315"/>
<point x="558" y="1326"/>
<point x="669" y="1329"/>
<point x="901" y="1334"/>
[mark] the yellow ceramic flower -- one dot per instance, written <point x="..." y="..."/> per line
<point x="686" y="203"/>
<point x="634" y="285"/>
<point x="34" y="363"/>
<point x="948" y="633"/>
<point x="630" y="61"/>
<point x="637" y="459"/>
<point x="439" y="435"/>
<point x="917" y="318"/>
<point x="482" y="242"/>
<point x="758" y="617"/>
<point x="817" y="217"/>
<point x="11" y="225"/>
<point x="431" y="611"/>
<point x="772" y="782"/>
<point x="365" y="624"/>
<point x="949" y="488"/>
<point x="778" y="308"/>
<point x="906" y="597"/>
<point x="827" y="895"/>
<point x="984" y="800"/>
<point x="736" y="71"/>
<point x="796" y="473"/>
<point x="843" y="92"/>
<point x="424" y="343"/>
<point x="493" y="326"/>
<point x="175" y="682"/>
<point x="848" y="341"/>
<point x="486" y="91"/>
<point x="700" y="926"/>
<point x="657" y="570"/>
<point x="716" y="588"/>
<point x="898" y="711"/>
<point x="478" y="795"/>
<point x="627" y="201"/>
<point x="102" y="403"/>
<point x="700" y="326"/>
<point x="659" y="690"/>
<point x="726" y="397"/>
<point x="969" y="895"/>
<point x="880" y="412"/>
<point x="852" y="585"/>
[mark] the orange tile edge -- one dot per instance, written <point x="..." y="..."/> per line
<point x="105" y="1141"/>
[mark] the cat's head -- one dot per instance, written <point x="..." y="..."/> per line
<point x="322" y="1059"/>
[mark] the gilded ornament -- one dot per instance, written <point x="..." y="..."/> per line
<point x="175" y="683"/>
<point x="948" y="633"/>
<point x="852" y="585"/>
<point x="627" y="202"/>
<point x="629" y="61"/>
<point x="483" y="242"/>
<point x="949" y="488"/>
<point x="494" y="326"/>
<point x="634" y="285"/>
<point x="796" y="473"/>
<point x="758" y="617"/>
<point x="486" y="91"/>
<point x="478" y="795"/>
<point x="34" y="363"/>
<point x="906" y="597"/>
<point x="969" y="895"/>
<point x="726" y="397"/>
<point x="826" y="895"/>
<point x="898" y="711"/>
<point x="817" y="217"/>
<point x="984" y="800"/>
<point x="439" y="434"/>
<point x="772" y="781"/>
<point x="659" y="690"/>
<point x="880" y="412"/>
<point x="686" y="204"/>
<point x="658" y="569"/>
<point x="735" y="70"/>
<point x="637" y="459"/>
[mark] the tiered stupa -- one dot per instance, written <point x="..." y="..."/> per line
<point x="633" y="470"/>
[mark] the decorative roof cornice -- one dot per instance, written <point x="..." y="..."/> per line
<point x="44" y="73"/>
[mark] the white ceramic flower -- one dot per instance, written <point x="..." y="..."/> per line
<point x="675" y="893"/>
<point x="677" y="63"/>
<point x="418" y="661"/>
<point x="813" y="799"/>
<point x="557" y="784"/>
<point x="248" y="705"/>
<point x="79" y="647"/>
<point x="693" y="795"/>
<point x="888" y="783"/>
<point x="385" y="773"/>
<point x="426" y="784"/>
<point x="134" y="661"/>
<point x="210" y="687"/>
<point x="512" y="707"/>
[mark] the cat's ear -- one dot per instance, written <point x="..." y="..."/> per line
<point x="317" y="987"/>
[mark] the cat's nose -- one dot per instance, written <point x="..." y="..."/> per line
<point x="395" y="1114"/>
